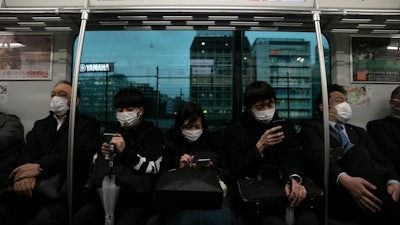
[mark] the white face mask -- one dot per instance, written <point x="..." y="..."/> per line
<point x="192" y="135"/>
<point x="343" y="112"/>
<point x="59" y="105"/>
<point x="127" y="119"/>
<point x="264" y="116"/>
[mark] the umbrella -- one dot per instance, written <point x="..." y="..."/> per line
<point x="109" y="191"/>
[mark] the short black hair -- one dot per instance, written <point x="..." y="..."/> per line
<point x="257" y="91"/>
<point x="128" y="97"/>
<point x="395" y="93"/>
<point x="331" y="88"/>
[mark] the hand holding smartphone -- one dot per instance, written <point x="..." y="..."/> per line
<point x="203" y="162"/>
<point x="276" y="123"/>
<point x="109" y="152"/>
<point x="108" y="137"/>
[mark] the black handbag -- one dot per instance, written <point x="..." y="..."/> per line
<point x="264" y="195"/>
<point x="188" y="188"/>
<point x="53" y="187"/>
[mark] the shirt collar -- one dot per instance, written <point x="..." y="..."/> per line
<point x="59" y="121"/>
<point x="333" y="124"/>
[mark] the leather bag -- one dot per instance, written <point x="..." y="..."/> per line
<point x="188" y="188"/>
<point x="264" y="195"/>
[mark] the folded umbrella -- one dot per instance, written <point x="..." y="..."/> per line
<point x="109" y="191"/>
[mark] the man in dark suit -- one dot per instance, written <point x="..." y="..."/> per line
<point x="386" y="131"/>
<point x="363" y="185"/>
<point x="45" y="155"/>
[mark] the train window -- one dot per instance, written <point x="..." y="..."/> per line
<point x="171" y="67"/>
<point x="289" y="61"/>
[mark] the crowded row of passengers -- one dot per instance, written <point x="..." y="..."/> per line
<point x="364" y="183"/>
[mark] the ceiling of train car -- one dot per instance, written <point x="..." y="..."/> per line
<point x="362" y="23"/>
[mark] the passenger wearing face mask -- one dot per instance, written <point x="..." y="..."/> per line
<point x="187" y="142"/>
<point x="386" y="131"/>
<point x="45" y="154"/>
<point x="363" y="185"/>
<point x="136" y="163"/>
<point x="261" y="138"/>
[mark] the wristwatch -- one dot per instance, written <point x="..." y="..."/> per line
<point x="296" y="177"/>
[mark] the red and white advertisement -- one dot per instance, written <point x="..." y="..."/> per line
<point x="25" y="57"/>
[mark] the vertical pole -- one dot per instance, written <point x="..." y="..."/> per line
<point x="157" y="97"/>
<point x="237" y="79"/>
<point x="106" y="102"/>
<point x="75" y="78"/>
<point x="316" y="18"/>
<point x="288" y="95"/>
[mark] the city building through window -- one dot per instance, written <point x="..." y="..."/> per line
<point x="171" y="67"/>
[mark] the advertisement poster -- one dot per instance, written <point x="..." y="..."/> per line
<point x="3" y="92"/>
<point x="25" y="57"/>
<point x="375" y="60"/>
<point x="359" y="95"/>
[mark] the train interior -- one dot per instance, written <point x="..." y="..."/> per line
<point x="341" y="23"/>
<point x="337" y="22"/>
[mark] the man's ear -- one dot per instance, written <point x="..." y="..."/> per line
<point x="140" y="111"/>
<point x="78" y="100"/>
<point x="321" y="107"/>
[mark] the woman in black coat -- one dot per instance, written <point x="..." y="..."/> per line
<point x="191" y="144"/>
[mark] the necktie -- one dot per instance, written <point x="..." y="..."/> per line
<point x="345" y="142"/>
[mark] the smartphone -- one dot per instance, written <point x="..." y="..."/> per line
<point x="278" y="123"/>
<point x="203" y="161"/>
<point x="108" y="136"/>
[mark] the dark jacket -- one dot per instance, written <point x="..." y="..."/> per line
<point x="11" y="143"/>
<point x="311" y="137"/>
<point x="137" y="166"/>
<point x="244" y="159"/>
<point x="209" y="145"/>
<point x="362" y="160"/>
<point x="386" y="134"/>
<point x="49" y="147"/>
